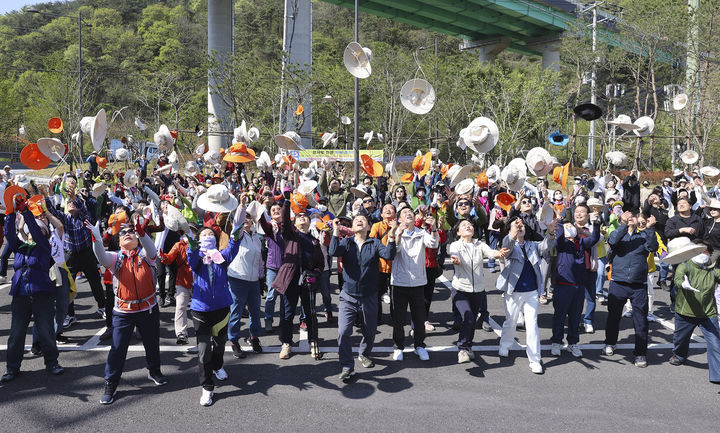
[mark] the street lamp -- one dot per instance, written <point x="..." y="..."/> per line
<point x="80" y="24"/>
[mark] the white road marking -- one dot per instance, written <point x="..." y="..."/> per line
<point x="671" y="326"/>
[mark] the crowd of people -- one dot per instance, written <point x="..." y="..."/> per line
<point x="208" y="241"/>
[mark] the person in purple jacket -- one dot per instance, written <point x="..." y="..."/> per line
<point x="275" y="246"/>
<point x="573" y="269"/>
<point x="33" y="294"/>
<point x="210" y="305"/>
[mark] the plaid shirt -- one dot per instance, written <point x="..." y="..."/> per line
<point x="76" y="237"/>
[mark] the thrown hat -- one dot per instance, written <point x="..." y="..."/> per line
<point x="560" y="174"/>
<point x="217" y="198"/>
<point x="239" y="152"/>
<point x="53" y="148"/>
<point x="588" y="111"/>
<point x="710" y="171"/>
<point x="481" y="135"/>
<point x="98" y="189"/>
<point x="558" y="139"/>
<point x="466" y="186"/>
<point x="539" y="161"/>
<point x="515" y="174"/>
<point x="689" y="157"/>
<point x="505" y="200"/>
<point x="9" y="197"/>
<point x="131" y="178"/>
<point x="457" y="173"/>
<point x="290" y="140"/>
<point x="174" y="220"/>
<point x="617" y="158"/>
<point x="371" y="167"/>
<point x="33" y="158"/>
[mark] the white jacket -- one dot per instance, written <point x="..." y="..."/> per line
<point x="469" y="275"/>
<point x="408" y="268"/>
<point x="247" y="264"/>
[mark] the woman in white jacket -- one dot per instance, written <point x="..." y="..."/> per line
<point x="244" y="280"/>
<point x="467" y="256"/>
<point x="522" y="283"/>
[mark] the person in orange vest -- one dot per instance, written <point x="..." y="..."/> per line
<point x="135" y="305"/>
<point x="381" y="230"/>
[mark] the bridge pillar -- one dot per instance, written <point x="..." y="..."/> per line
<point x="550" y="49"/>
<point x="297" y="44"/>
<point x="220" y="43"/>
<point x="487" y="49"/>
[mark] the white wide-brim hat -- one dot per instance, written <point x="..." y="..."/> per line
<point x="481" y="135"/>
<point x="307" y="187"/>
<point x="617" y="158"/>
<point x="360" y="191"/>
<point x="191" y="168"/>
<point x="174" y="219"/>
<point x="327" y="137"/>
<point x="217" y="198"/>
<point x="515" y="174"/>
<point x="53" y="148"/>
<point x="131" y="178"/>
<point x="122" y="154"/>
<point x="418" y="96"/>
<point x="163" y="138"/>
<point x="681" y="250"/>
<point x="546" y="214"/>
<point x="493" y="173"/>
<point x="624" y="122"/>
<point x="255" y="210"/>
<point x="457" y="175"/>
<point x="465" y="186"/>
<point x="263" y="161"/>
<point x="710" y="171"/>
<point x="98" y="189"/>
<point x="680" y="101"/>
<point x="539" y="161"/>
<point x="689" y="157"/>
<point x="646" y="126"/>
<point x="595" y="204"/>
<point x="290" y="140"/>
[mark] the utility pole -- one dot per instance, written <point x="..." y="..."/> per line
<point x="356" y="116"/>
<point x="593" y="100"/>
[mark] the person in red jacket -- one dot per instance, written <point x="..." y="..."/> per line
<point x="183" y="284"/>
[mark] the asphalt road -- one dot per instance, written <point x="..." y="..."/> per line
<point x="264" y="393"/>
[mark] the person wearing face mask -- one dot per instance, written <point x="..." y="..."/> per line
<point x="322" y="208"/>
<point x="275" y="245"/>
<point x="696" y="306"/>
<point x="558" y="203"/>
<point x="569" y="294"/>
<point x="33" y="294"/>
<point x="135" y="304"/>
<point x="662" y="250"/>
<point x="628" y="280"/>
<point x="683" y="223"/>
<point x="211" y="300"/>
<point x="338" y="198"/>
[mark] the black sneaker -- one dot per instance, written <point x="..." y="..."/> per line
<point x="9" y="376"/>
<point x="56" y="370"/>
<point x="237" y="350"/>
<point x="255" y="343"/>
<point x="181" y="339"/>
<point x="487" y="327"/>
<point x="158" y="378"/>
<point x="107" y="334"/>
<point x="108" y="395"/>
<point x="35" y="349"/>
<point x="62" y="339"/>
<point x="347" y="374"/>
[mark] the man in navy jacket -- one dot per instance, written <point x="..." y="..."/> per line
<point x="360" y="256"/>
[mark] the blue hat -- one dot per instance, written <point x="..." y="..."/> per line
<point x="558" y="139"/>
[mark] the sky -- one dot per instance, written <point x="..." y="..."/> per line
<point x="14" y="5"/>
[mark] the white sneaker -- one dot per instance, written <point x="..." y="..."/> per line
<point x="422" y="353"/>
<point x="206" y="398"/>
<point x="3" y="280"/>
<point x="589" y="328"/>
<point x="463" y="356"/>
<point x="575" y="350"/>
<point x="221" y="374"/>
<point x="555" y="349"/>
<point x="609" y="350"/>
<point x="397" y="355"/>
<point x="386" y="298"/>
<point x="651" y="317"/>
<point x="429" y="326"/>
<point x="536" y="367"/>
<point x="627" y="313"/>
<point x="503" y="352"/>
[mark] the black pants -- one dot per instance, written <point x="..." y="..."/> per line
<point x="109" y="304"/>
<point x="211" y="333"/>
<point x="290" y="300"/>
<point x="84" y="261"/>
<point x="4" y="259"/>
<point x="401" y="298"/>
<point x="163" y="270"/>
<point x="619" y="293"/>
<point x="383" y="287"/>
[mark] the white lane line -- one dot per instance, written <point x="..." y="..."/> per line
<point x="496" y="328"/>
<point x="381" y="349"/>
<point x="5" y="286"/>
<point x="93" y="341"/>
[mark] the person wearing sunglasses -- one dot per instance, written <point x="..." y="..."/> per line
<point x="135" y="305"/>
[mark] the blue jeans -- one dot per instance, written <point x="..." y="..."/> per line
<point x="568" y="302"/>
<point x="272" y="296"/>
<point x="4" y="259"/>
<point x="590" y="288"/>
<point x="349" y="308"/>
<point x="684" y="326"/>
<point x="664" y="271"/>
<point x="494" y="241"/>
<point x="148" y="323"/>
<point x="601" y="276"/>
<point x="324" y="287"/>
<point x="41" y="309"/>
<point x="244" y="293"/>
<point x="467" y="305"/>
